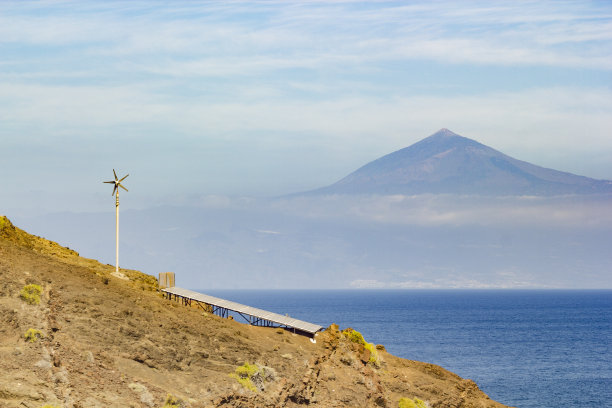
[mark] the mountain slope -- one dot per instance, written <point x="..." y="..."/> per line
<point x="448" y="163"/>
<point x="99" y="340"/>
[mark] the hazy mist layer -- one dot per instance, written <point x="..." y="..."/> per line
<point x="422" y="241"/>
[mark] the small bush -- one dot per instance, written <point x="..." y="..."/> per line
<point x="354" y="336"/>
<point x="172" y="402"/>
<point x="374" y="359"/>
<point x="247" y="370"/>
<point x="32" y="335"/>
<point x="243" y="375"/>
<point x="411" y="403"/>
<point x="31" y="294"/>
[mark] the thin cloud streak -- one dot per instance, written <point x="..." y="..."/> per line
<point x="515" y="33"/>
<point x="577" y="110"/>
<point x="432" y="210"/>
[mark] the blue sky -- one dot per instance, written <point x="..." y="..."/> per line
<point x="265" y="98"/>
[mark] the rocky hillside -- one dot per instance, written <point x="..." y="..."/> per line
<point x="73" y="334"/>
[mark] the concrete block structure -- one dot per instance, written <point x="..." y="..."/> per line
<point x="166" y="280"/>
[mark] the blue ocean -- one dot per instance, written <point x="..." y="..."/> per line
<point x="525" y="349"/>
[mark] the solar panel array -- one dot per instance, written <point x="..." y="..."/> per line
<point x="244" y="309"/>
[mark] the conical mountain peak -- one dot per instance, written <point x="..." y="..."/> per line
<point x="448" y="163"/>
<point x="447" y="138"/>
<point x="444" y="132"/>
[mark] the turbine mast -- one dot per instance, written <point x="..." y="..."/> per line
<point x="117" y="231"/>
<point x="117" y="184"/>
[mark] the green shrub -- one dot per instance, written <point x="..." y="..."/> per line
<point x="354" y="336"/>
<point x="247" y="370"/>
<point x="172" y="402"/>
<point x="243" y="375"/>
<point x="31" y="294"/>
<point x="374" y="359"/>
<point x="409" y="403"/>
<point x="32" y="335"/>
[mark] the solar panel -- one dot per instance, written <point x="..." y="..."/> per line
<point x="244" y="309"/>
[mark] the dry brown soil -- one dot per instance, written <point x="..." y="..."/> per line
<point x="112" y="341"/>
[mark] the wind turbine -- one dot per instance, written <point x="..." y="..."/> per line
<point x="117" y="184"/>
